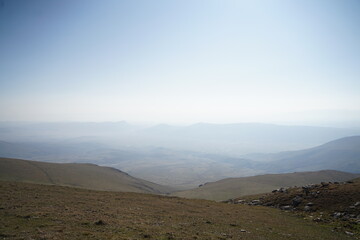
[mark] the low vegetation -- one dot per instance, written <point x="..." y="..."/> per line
<point x="33" y="211"/>
<point x="236" y="187"/>
<point x="330" y="203"/>
<point x="89" y="176"/>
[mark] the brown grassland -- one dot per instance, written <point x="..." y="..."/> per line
<point x="33" y="211"/>
<point x="326" y="200"/>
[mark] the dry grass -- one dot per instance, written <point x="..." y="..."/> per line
<point x="325" y="200"/>
<point x="236" y="187"/>
<point x="30" y="211"/>
<point x="89" y="176"/>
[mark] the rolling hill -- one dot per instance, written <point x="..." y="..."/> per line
<point x="236" y="187"/>
<point x="181" y="169"/>
<point x="89" y="176"/>
<point x="341" y="154"/>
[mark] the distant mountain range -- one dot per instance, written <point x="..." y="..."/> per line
<point x="188" y="169"/>
<point x="89" y="176"/>
<point x="223" y="139"/>
<point x="241" y="138"/>
<point x="342" y="154"/>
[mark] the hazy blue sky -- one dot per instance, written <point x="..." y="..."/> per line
<point x="179" y="61"/>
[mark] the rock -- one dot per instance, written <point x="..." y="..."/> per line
<point x="357" y="204"/>
<point x="324" y="184"/>
<point x="243" y="230"/>
<point x="255" y="202"/>
<point x="240" y="201"/>
<point x="100" y="222"/>
<point x="310" y="204"/>
<point x="338" y="214"/>
<point x="314" y="194"/>
<point x="286" y="208"/>
<point x="349" y="233"/>
<point x="296" y="201"/>
<point x="307" y="208"/>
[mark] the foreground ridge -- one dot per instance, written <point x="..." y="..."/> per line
<point x="333" y="203"/>
<point x="33" y="211"/>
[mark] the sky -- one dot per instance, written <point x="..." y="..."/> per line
<point x="180" y="61"/>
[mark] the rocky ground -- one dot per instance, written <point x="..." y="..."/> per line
<point x="336" y="204"/>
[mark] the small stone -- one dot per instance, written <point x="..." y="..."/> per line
<point x="100" y="222"/>
<point x="296" y="201"/>
<point x="242" y="230"/>
<point x="324" y="184"/>
<point x="286" y="208"/>
<point x="255" y="202"/>
<point x="307" y="208"/>
<point x="337" y="214"/>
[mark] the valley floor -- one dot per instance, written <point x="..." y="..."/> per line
<point x="31" y="211"/>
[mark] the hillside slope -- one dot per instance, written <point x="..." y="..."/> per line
<point x="33" y="211"/>
<point x="342" y="155"/>
<point x="89" y="176"/>
<point x="335" y="203"/>
<point x="236" y="187"/>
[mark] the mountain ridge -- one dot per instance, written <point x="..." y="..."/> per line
<point x="341" y="154"/>
<point x="88" y="176"/>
